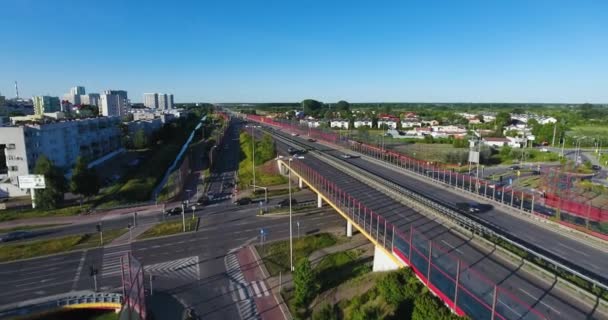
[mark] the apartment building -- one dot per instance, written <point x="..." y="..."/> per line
<point x="61" y="141"/>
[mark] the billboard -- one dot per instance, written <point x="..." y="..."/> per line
<point x="32" y="181"/>
<point x="474" y="156"/>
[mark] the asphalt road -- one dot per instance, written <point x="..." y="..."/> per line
<point x="546" y="298"/>
<point x="221" y="230"/>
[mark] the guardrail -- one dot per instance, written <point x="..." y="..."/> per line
<point x="70" y="300"/>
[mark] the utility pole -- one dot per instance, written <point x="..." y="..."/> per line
<point x="184" y="216"/>
<point x="290" y="223"/>
<point x="100" y="230"/>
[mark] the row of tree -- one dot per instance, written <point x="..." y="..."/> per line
<point x="84" y="181"/>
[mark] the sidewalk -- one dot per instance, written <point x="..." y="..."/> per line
<point x="132" y="235"/>
<point x="268" y="305"/>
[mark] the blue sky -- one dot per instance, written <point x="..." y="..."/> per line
<point x="227" y="51"/>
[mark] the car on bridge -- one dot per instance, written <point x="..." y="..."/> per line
<point x="348" y="156"/>
<point x="312" y="140"/>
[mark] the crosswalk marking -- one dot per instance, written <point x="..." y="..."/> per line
<point x="255" y="288"/>
<point x="186" y="268"/>
<point x="239" y="289"/>
<point x="111" y="259"/>
<point x="264" y="289"/>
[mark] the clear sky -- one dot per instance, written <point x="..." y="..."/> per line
<point x="284" y="50"/>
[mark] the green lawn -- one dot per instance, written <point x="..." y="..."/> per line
<point x="35" y="248"/>
<point x="168" y="228"/>
<point x="339" y="267"/>
<point x="276" y="255"/>
<point x="589" y="131"/>
<point x="15" y="214"/>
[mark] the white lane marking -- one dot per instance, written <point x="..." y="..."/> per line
<point x="79" y="269"/>
<point x="542" y="302"/>
<point x="451" y="246"/>
<point x="571" y="249"/>
<point x="242" y="293"/>
<point x="504" y="304"/>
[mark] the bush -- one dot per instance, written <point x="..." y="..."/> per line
<point x="305" y="283"/>
<point x="326" y="312"/>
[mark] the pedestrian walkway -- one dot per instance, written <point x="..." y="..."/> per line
<point x="257" y="286"/>
<point x="111" y="260"/>
<point x="131" y="235"/>
<point x="239" y="289"/>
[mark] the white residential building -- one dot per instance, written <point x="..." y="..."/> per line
<point x="363" y="123"/>
<point x="61" y="141"/>
<point x="339" y="123"/>
<point x="151" y="100"/>
<point x="410" y="123"/>
<point x="112" y="105"/>
<point x="495" y="142"/>
<point x="391" y="124"/>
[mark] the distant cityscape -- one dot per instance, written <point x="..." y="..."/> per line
<point x="77" y="124"/>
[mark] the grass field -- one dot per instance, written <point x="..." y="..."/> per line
<point x="168" y="228"/>
<point x="276" y="255"/>
<point x="29" y="249"/>
<point x="589" y="131"/>
<point x="430" y="152"/>
<point x="339" y="267"/>
<point x="15" y="214"/>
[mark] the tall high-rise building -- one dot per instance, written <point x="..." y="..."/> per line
<point x="170" y="102"/>
<point x="90" y="99"/>
<point x="44" y="104"/>
<point x="151" y="100"/>
<point x="77" y="91"/>
<point x="162" y="101"/>
<point x="112" y="105"/>
<point x="121" y="93"/>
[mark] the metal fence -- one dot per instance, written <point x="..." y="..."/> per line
<point x="582" y="216"/>
<point x="464" y="289"/>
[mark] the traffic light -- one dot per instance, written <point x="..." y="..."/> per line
<point x="98" y="227"/>
<point x="92" y="271"/>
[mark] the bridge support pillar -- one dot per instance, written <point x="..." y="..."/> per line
<point x="349" y="228"/>
<point x="300" y="183"/>
<point x="382" y="262"/>
<point x="319" y="201"/>
<point x="282" y="168"/>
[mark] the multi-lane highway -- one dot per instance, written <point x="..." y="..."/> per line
<point x="531" y="289"/>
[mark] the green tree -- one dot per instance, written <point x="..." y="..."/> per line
<point x="342" y="106"/>
<point x="326" y="312"/>
<point x="427" y="308"/>
<point x="305" y="283"/>
<point x="140" y="140"/>
<point x="312" y="107"/>
<point x="84" y="180"/>
<point x="51" y="196"/>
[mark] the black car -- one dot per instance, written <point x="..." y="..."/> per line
<point x="17" y="235"/>
<point x="173" y="212"/>
<point x="243" y="201"/>
<point x="596" y="167"/>
<point x="514" y="167"/>
<point x="285" y="203"/>
<point x="312" y="140"/>
<point x="202" y="201"/>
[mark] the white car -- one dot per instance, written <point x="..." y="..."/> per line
<point x="293" y="134"/>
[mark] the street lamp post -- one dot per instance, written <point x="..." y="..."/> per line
<point x="184" y="216"/>
<point x="290" y="223"/>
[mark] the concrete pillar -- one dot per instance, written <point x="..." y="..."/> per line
<point x="282" y="169"/>
<point x="319" y="201"/>
<point x="382" y="262"/>
<point x="349" y="228"/>
<point x="299" y="182"/>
